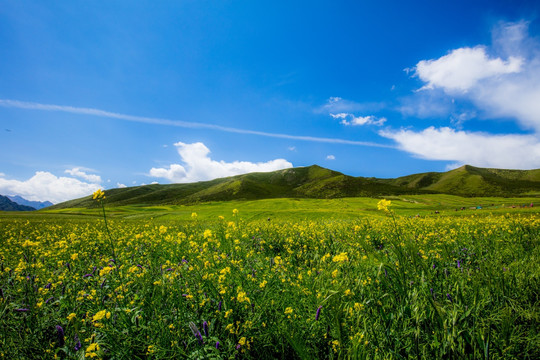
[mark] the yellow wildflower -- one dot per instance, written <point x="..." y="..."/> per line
<point x="384" y="204"/>
<point x="341" y="257"/>
<point x="98" y="195"/>
<point x="100" y="315"/>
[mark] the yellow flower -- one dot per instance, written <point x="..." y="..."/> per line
<point x="242" y="297"/>
<point x="74" y="256"/>
<point x="288" y="310"/>
<point x="384" y="204"/>
<point x="235" y="212"/>
<point x="71" y="316"/>
<point x="341" y="257"/>
<point x="194" y="215"/>
<point x="98" y="195"/>
<point x="99" y="315"/>
<point x="242" y="341"/>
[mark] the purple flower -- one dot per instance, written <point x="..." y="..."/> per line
<point x="205" y="328"/>
<point x="21" y="310"/>
<point x="196" y="332"/>
<point x="458" y="264"/>
<point x="449" y="297"/>
<point x="238" y="347"/>
<point x="140" y="266"/>
<point x="217" y="345"/>
<point x="60" y="334"/>
<point x="49" y="299"/>
<point x="219" y="306"/>
<point x="78" y="344"/>
<point x="87" y="275"/>
<point x="318" y="313"/>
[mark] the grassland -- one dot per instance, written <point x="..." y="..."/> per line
<point x="274" y="278"/>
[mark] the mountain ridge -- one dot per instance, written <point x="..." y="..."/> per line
<point x="318" y="182"/>
<point x="35" y="204"/>
<point x="7" y="205"/>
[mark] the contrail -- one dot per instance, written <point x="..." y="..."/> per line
<point x="178" y="123"/>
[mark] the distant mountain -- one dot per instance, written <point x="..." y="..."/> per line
<point x="35" y="204"/>
<point x="317" y="182"/>
<point x="8" y="205"/>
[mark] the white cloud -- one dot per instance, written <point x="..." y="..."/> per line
<point x="120" y="185"/>
<point x="199" y="166"/>
<point x="292" y="148"/>
<point x="502" y="86"/>
<point x="351" y="120"/>
<point x="463" y="68"/>
<point x="44" y="186"/>
<point x="330" y="157"/>
<point x="473" y="148"/>
<point x="78" y="172"/>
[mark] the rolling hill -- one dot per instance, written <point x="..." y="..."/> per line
<point x="473" y="181"/>
<point x="317" y="182"/>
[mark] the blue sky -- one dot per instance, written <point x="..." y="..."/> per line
<point x="101" y="94"/>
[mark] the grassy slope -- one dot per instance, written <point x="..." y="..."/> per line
<point x="304" y="182"/>
<point x="317" y="182"/>
<point x="301" y="209"/>
<point x="472" y="181"/>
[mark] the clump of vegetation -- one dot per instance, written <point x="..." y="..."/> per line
<point x="380" y="288"/>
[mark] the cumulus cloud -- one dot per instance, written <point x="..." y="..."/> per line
<point x="330" y="157"/>
<point x="473" y="148"/>
<point x="198" y="166"/>
<point x="80" y="173"/>
<point x="44" y="186"/>
<point x="463" y="68"/>
<point x="501" y="81"/>
<point x="120" y="185"/>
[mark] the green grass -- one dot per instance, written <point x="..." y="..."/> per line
<point x="311" y="209"/>
<point x="453" y="285"/>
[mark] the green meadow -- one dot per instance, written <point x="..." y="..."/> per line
<point x="350" y="278"/>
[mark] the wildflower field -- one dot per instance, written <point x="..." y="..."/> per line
<point x="372" y="287"/>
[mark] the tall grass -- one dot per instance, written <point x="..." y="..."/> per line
<point x="381" y="288"/>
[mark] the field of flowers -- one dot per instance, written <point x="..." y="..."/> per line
<point x="378" y="288"/>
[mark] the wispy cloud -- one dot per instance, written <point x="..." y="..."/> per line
<point x="178" y="123"/>
<point x="351" y="120"/>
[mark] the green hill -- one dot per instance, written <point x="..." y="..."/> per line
<point x="317" y="182"/>
<point x="302" y="182"/>
<point x="473" y="181"/>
